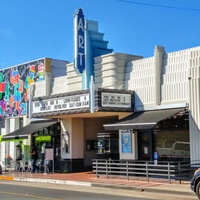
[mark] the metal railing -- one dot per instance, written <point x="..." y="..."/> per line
<point x="178" y="171"/>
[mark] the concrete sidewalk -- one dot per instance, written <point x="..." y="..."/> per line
<point x="90" y="179"/>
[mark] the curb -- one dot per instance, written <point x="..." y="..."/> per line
<point x="93" y="184"/>
<point x="54" y="181"/>
<point x="7" y="178"/>
<point x="142" y="189"/>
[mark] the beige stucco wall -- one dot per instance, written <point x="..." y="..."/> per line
<point x="76" y="136"/>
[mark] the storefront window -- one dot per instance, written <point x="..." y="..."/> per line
<point x="172" y="144"/>
<point x="44" y="139"/>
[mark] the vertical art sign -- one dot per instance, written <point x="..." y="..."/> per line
<point x="79" y="41"/>
<point x="125" y="141"/>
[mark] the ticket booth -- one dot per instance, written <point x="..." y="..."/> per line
<point x="108" y="146"/>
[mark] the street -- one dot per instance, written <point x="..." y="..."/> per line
<point x="32" y="191"/>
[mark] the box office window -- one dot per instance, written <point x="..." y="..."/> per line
<point x="91" y="145"/>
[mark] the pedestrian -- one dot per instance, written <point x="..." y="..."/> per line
<point x="34" y="156"/>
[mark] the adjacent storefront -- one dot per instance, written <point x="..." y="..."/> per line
<point x="163" y="131"/>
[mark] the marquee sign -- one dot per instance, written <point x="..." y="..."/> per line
<point x="79" y="42"/>
<point x="115" y="100"/>
<point x="62" y="103"/>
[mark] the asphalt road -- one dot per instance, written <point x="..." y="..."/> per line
<point x="44" y="191"/>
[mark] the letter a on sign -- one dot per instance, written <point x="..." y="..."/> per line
<point x="79" y="42"/>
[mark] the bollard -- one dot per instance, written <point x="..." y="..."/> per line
<point x="155" y="156"/>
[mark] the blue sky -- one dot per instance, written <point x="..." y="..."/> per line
<point x="31" y="30"/>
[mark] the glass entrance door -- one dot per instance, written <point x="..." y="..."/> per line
<point x="144" y="145"/>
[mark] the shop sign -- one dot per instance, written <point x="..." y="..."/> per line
<point x="79" y="42"/>
<point x="43" y="138"/>
<point x="115" y="100"/>
<point x="63" y="103"/>
<point x="49" y="154"/>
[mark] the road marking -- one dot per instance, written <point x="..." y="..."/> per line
<point x="28" y="195"/>
<point x="7" y="178"/>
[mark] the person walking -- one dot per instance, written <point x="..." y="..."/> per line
<point x="34" y="156"/>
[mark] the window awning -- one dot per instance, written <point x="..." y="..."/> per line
<point x="142" y="119"/>
<point x="25" y="131"/>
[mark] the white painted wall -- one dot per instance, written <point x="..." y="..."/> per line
<point x="109" y="70"/>
<point x="174" y="87"/>
<point x="14" y="125"/>
<point x="5" y="145"/>
<point x="194" y="104"/>
<point x="140" y="77"/>
<point x="74" y="81"/>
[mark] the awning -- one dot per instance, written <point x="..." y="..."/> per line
<point x="142" y="119"/>
<point x="25" y="131"/>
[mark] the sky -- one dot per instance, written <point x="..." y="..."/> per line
<point x="30" y="30"/>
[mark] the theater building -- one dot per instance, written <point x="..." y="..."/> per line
<point x="104" y="105"/>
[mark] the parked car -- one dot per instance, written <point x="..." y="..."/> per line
<point x="178" y="150"/>
<point x="195" y="182"/>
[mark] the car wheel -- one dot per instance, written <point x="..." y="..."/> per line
<point x="198" y="190"/>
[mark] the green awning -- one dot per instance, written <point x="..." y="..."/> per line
<point x="25" y="131"/>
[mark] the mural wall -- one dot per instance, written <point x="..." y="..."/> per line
<point x="14" y="85"/>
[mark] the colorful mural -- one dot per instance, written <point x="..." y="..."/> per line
<point x="14" y="85"/>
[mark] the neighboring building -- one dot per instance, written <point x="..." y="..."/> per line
<point x="16" y="84"/>
<point x="156" y="101"/>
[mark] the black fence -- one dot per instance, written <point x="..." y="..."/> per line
<point x="166" y="170"/>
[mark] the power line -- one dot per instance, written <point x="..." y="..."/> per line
<point x="161" y="6"/>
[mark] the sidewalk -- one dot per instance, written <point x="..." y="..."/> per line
<point x="90" y="179"/>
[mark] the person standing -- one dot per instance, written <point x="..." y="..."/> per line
<point x="34" y="156"/>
